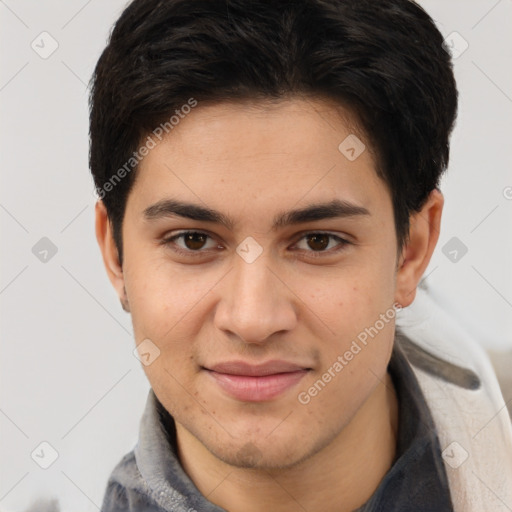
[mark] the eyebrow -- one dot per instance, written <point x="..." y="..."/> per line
<point x="314" y="212"/>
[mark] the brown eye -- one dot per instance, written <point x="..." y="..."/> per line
<point x="194" y="241"/>
<point x="317" y="244"/>
<point x="318" y="241"/>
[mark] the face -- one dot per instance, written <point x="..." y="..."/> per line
<point x="256" y="254"/>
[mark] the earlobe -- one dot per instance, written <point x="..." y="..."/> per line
<point x="105" y="238"/>
<point x="416" y="254"/>
<point x="124" y="301"/>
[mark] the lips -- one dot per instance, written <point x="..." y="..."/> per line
<point x="256" y="383"/>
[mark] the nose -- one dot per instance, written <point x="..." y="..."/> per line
<point x="255" y="302"/>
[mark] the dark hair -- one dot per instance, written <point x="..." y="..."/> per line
<point x="383" y="59"/>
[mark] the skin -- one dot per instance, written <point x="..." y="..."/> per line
<point x="252" y="162"/>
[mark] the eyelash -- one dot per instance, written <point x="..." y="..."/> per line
<point x="169" y="242"/>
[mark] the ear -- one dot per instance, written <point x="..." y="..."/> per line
<point x="104" y="235"/>
<point x="415" y="257"/>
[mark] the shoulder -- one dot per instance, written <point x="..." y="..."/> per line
<point x="465" y="400"/>
<point x="126" y="490"/>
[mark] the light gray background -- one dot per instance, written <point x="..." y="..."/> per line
<point x="68" y="375"/>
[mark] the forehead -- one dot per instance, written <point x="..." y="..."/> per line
<point x="295" y="126"/>
<point x="290" y="151"/>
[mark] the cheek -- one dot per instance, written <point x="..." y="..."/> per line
<point x="358" y="308"/>
<point x="354" y="359"/>
<point x="354" y="298"/>
<point x="163" y="298"/>
<point x="166" y="308"/>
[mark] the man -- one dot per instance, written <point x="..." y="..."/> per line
<point x="267" y="175"/>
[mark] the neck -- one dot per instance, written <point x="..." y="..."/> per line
<point x="339" y="478"/>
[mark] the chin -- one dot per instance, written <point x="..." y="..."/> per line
<point x="249" y="456"/>
<point x="263" y="453"/>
